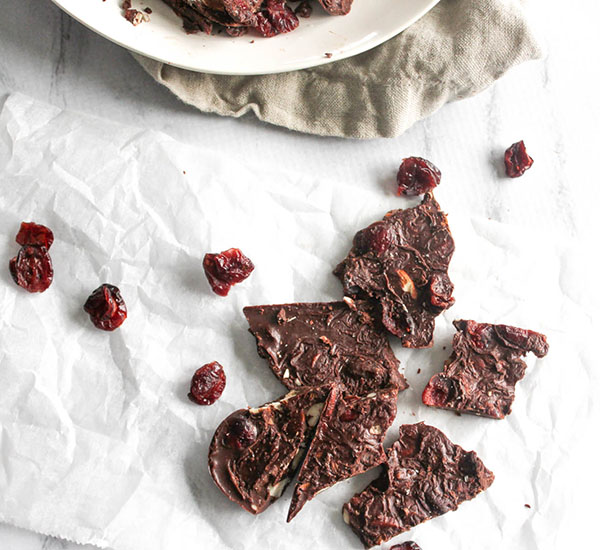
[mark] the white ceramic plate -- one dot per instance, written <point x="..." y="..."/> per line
<point x="370" y="23"/>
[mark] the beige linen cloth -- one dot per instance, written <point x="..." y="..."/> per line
<point x="458" y="49"/>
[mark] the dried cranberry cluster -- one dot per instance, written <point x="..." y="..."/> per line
<point x="32" y="270"/>
<point x="417" y="176"/>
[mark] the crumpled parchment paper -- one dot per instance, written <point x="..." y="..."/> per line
<point x="99" y="443"/>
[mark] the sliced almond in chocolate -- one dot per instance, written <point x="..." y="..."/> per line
<point x="308" y="344"/>
<point x="348" y="442"/>
<point x="255" y="452"/>
<point x="425" y="475"/>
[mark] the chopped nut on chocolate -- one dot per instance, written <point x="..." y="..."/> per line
<point x="255" y="452"/>
<point x="348" y="441"/>
<point x="401" y="264"/>
<point x="316" y="343"/>
<point x="425" y="476"/>
<point x="480" y="375"/>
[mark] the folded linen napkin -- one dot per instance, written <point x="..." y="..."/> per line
<point x="455" y="51"/>
<point x="458" y="49"/>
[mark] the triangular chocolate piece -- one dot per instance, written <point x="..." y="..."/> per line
<point x="425" y="476"/>
<point x="309" y="344"/>
<point x="255" y="452"/>
<point x="480" y="375"/>
<point x="348" y="441"/>
<point x="401" y="262"/>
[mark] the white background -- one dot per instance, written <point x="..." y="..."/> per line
<point x="551" y="104"/>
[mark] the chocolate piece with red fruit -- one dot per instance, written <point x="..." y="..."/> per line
<point x="348" y="442"/>
<point x="309" y="344"/>
<point x="401" y="264"/>
<point x="480" y="375"/>
<point x="425" y="476"/>
<point x="255" y="452"/>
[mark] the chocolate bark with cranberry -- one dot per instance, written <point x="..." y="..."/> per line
<point x="348" y="441"/>
<point x="316" y="343"/>
<point x="402" y="263"/>
<point x="255" y="452"/>
<point x="336" y="7"/>
<point x="425" y="476"/>
<point x="480" y="375"/>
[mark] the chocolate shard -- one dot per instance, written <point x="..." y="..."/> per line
<point x="242" y="11"/>
<point x="401" y="263"/>
<point x="336" y="7"/>
<point x="425" y="476"/>
<point x="200" y="15"/>
<point x="255" y="452"/>
<point x="348" y="441"/>
<point x="309" y="344"/>
<point x="480" y="375"/>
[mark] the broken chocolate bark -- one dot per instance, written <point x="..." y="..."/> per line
<point x="336" y="7"/>
<point x="194" y="15"/>
<point x="316" y="343"/>
<point x="425" y="476"/>
<point x="348" y="441"/>
<point x="480" y="375"/>
<point x="401" y="262"/>
<point x="255" y="452"/>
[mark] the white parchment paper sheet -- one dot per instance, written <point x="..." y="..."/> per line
<point x="98" y="440"/>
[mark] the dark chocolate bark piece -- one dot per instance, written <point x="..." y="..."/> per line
<point x="255" y="452"/>
<point x="242" y="11"/>
<point x="200" y="15"/>
<point x="401" y="262"/>
<point x="310" y="344"/>
<point x="348" y="441"/>
<point x="425" y="476"/>
<point x="336" y="7"/>
<point x="480" y="375"/>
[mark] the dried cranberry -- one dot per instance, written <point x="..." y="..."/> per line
<point x="264" y="26"/>
<point x="438" y="392"/>
<point x="32" y="269"/>
<point x="34" y="234"/>
<point x="281" y="16"/>
<point x="527" y="340"/>
<point x="417" y="176"/>
<point x="349" y="415"/>
<point x="303" y="9"/>
<point x="208" y="384"/>
<point x="481" y="334"/>
<point x="376" y="238"/>
<point x="410" y="443"/>
<point x="516" y="160"/>
<point x="106" y="307"/>
<point x="240" y="434"/>
<point x="409" y="545"/>
<point x="440" y="290"/>
<point x="226" y="269"/>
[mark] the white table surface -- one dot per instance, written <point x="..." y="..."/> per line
<point x="552" y="102"/>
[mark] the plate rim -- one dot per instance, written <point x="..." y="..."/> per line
<point x="308" y="63"/>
